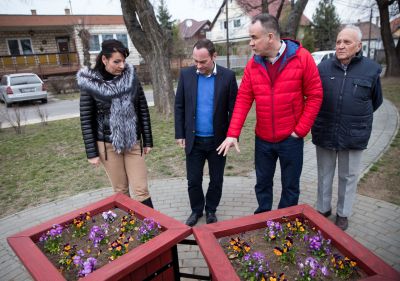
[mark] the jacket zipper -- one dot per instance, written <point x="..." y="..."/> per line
<point x="339" y="107"/>
<point x="272" y="114"/>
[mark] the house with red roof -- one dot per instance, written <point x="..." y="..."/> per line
<point x="371" y="38"/>
<point x="240" y="13"/>
<point x="192" y="30"/>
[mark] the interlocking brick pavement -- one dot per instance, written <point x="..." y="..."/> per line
<point x="375" y="223"/>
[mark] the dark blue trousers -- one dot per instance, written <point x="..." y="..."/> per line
<point x="290" y="154"/>
<point x="204" y="148"/>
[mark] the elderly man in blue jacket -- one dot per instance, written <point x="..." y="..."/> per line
<point x="352" y="92"/>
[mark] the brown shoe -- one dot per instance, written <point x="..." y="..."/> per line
<point x="341" y="222"/>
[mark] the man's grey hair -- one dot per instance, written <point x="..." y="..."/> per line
<point x="356" y="29"/>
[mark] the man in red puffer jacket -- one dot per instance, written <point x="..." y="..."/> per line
<point x="284" y="81"/>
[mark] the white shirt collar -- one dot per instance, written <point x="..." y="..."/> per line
<point x="280" y="52"/>
<point x="214" y="72"/>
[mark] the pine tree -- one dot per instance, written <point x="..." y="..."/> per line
<point x="308" y="41"/>
<point x="164" y="17"/>
<point x="326" y="24"/>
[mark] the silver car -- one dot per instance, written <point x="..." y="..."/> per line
<point x="22" y="87"/>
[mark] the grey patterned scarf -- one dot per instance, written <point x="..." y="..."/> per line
<point x="121" y="92"/>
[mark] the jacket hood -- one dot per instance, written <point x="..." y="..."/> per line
<point x="292" y="47"/>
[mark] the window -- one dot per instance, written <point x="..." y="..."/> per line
<point x="97" y="39"/>
<point x="236" y="23"/>
<point x="18" y="47"/>
<point x="123" y="38"/>
<point x="107" y="36"/>
<point x="22" y="80"/>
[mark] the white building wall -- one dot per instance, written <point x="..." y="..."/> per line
<point x="238" y="26"/>
<point x="374" y="45"/>
<point x="134" y="56"/>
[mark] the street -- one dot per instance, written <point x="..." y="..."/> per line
<point x="55" y="109"/>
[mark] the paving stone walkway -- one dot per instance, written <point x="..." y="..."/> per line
<point x="375" y="223"/>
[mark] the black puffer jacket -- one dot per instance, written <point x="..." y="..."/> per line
<point x="95" y="120"/>
<point x="350" y="98"/>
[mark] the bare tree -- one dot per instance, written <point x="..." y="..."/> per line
<point x="43" y="115"/>
<point x="293" y="22"/>
<point x="15" y="117"/>
<point x="153" y="44"/>
<point x="84" y="35"/>
<point x="290" y="26"/>
<point x="392" y="52"/>
<point x="262" y="5"/>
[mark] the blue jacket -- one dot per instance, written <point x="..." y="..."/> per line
<point x="350" y="98"/>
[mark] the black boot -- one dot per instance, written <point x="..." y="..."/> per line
<point x="148" y="203"/>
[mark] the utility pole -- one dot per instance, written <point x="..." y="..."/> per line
<point x="70" y="6"/>
<point x="228" y="64"/>
<point x="369" y="33"/>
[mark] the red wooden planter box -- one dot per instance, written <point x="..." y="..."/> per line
<point x="221" y="268"/>
<point x="156" y="258"/>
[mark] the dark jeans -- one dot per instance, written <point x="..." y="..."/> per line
<point x="290" y="154"/>
<point x="204" y="148"/>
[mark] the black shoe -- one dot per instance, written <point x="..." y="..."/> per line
<point x="341" y="222"/>
<point x="326" y="214"/>
<point x="211" y="218"/>
<point x="148" y="202"/>
<point x="193" y="218"/>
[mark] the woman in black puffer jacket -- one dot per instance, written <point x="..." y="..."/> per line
<point x="115" y="120"/>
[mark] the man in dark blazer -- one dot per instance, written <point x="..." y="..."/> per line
<point x="204" y="102"/>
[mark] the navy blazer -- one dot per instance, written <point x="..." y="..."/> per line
<point x="225" y="90"/>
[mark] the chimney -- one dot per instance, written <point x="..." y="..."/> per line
<point x="33" y="12"/>
<point x="67" y="12"/>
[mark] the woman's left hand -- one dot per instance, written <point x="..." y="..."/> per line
<point x="146" y="150"/>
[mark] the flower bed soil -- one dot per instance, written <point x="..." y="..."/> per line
<point x="101" y="252"/>
<point x="256" y="241"/>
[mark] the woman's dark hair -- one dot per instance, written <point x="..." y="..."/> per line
<point x="108" y="47"/>
<point x="205" y="43"/>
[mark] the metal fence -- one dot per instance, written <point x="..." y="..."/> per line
<point x="235" y="61"/>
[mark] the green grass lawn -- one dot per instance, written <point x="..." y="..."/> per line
<point x="47" y="162"/>
<point x="382" y="181"/>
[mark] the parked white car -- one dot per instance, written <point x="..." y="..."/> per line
<point x="320" y="56"/>
<point x="22" y="87"/>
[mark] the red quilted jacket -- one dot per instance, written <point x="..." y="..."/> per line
<point x="290" y="105"/>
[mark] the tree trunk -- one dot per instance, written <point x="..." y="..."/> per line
<point x="279" y="11"/>
<point x="84" y="35"/>
<point x="153" y="44"/>
<point x="392" y="58"/>
<point x="294" y="18"/>
<point x="398" y="41"/>
<point x="264" y="6"/>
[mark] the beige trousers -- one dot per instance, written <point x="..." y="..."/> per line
<point x="127" y="171"/>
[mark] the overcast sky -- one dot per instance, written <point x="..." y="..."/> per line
<point x="179" y="9"/>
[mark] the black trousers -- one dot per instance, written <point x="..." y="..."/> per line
<point x="204" y="148"/>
